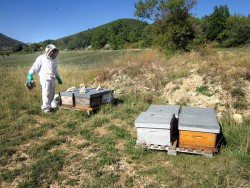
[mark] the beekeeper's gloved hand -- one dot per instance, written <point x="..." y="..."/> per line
<point x="30" y="77"/>
<point x="58" y="79"/>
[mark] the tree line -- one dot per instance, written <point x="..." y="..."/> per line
<point x="174" y="28"/>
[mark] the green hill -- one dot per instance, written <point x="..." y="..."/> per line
<point x="117" y="34"/>
<point x="8" y="43"/>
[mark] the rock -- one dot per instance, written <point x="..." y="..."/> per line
<point x="238" y="118"/>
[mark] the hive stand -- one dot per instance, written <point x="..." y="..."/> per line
<point x="174" y="150"/>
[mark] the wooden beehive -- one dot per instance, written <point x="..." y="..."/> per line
<point x="198" y="131"/>
<point x="91" y="99"/>
<point x="154" y="128"/>
<point x="107" y="95"/>
<point x="67" y="98"/>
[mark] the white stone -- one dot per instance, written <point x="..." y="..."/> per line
<point x="238" y="118"/>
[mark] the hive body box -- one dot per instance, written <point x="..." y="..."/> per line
<point x="107" y="95"/>
<point x="154" y="128"/>
<point x="171" y="109"/>
<point x="67" y="98"/>
<point x="91" y="99"/>
<point x="198" y="128"/>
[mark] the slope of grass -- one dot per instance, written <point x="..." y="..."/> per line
<point x="72" y="149"/>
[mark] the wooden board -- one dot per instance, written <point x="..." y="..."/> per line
<point x="88" y="110"/>
<point x="197" y="140"/>
<point x="88" y="102"/>
<point x="67" y="101"/>
<point x="173" y="150"/>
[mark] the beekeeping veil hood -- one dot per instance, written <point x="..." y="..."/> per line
<point x="51" y="51"/>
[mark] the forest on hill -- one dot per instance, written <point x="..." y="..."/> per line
<point x="173" y="28"/>
<point x="7" y="43"/>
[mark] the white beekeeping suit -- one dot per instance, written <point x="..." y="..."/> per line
<point x="46" y="67"/>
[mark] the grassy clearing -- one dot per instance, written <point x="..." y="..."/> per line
<point x="71" y="149"/>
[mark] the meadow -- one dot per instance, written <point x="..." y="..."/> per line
<point x="71" y="149"/>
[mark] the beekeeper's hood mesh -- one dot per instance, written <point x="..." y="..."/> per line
<point x="51" y="51"/>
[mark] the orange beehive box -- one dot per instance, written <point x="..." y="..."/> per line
<point x="198" y="140"/>
<point x="198" y="132"/>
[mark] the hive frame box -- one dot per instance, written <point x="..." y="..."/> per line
<point x="198" y="128"/>
<point x="91" y="99"/>
<point x="67" y="98"/>
<point x="154" y="128"/>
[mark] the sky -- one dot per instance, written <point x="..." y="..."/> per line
<point x="33" y="21"/>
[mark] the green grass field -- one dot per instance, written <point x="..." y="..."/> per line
<point x="71" y="149"/>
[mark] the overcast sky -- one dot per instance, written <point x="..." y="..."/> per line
<point x="39" y="20"/>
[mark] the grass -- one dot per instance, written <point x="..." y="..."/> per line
<point x="204" y="91"/>
<point x="71" y="149"/>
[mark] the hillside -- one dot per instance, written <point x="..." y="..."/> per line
<point x="207" y="78"/>
<point x="122" y="30"/>
<point x="7" y="42"/>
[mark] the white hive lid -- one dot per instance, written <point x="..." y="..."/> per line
<point x="172" y="109"/>
<point x="154" y="120"/>
<point x="198" y="123"/>
<point x="199" y="111"/>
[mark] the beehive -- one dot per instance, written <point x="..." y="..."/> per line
<point x="154" y="128"/>
<point x="67" y="98"/>
<point x="91" y="99"/>
<point x="172" y="109"/>
<point x="107" y="95"/>
<point x="198" y="128"/>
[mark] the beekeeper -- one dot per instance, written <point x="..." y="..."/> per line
<point x="46" y="67"/>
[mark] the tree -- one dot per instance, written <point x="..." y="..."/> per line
<point x="237" y="31"/>
<point x="216" y="22"/>
<point x="171" y="18"/>
<point x="99" y="39"/>
<point x="17" y="48"/>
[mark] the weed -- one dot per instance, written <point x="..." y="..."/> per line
<point x="42" y="149"/>
<point x="203" y="90"/>
<point x="72" y="182"/>
<point x="71" y="125"/>
<point x="119" y="132"/>
<point x="238" y="93"/>
<point x="88" y="134"/>
<point x="107" y="158"/>
<point x="83" y="145"/>
<point x="184" y="102"/>
<point x="106" y="180"/>
<point x="136" y="153"/>
<point x="178" y="75"/>
<point x="44" y="171"/>
<point x="237" y="138"/>
<point x="240" y="104"/>
<point x="9" y="175"/>
<point x="99" y="121"/>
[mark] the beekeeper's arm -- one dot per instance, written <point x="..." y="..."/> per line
<point x="34" y="69"/>
<point x="57" y="75"/>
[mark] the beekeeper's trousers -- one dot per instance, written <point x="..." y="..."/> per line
<point x="48" y="92"/>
